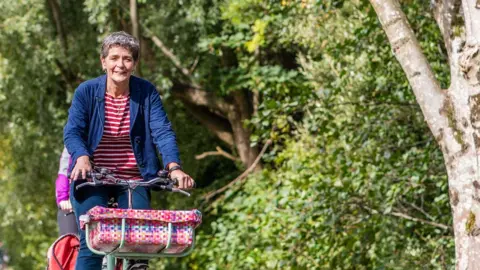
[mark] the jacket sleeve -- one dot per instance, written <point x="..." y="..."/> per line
<point x="64" y="162"/>
<point x="61" y="184"/>
<point x="162" y="132"/>
<point x="75" y="131"/>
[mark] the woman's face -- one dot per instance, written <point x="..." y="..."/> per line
<point x="118" y="64"/>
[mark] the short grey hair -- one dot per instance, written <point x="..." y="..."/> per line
<point x="123" y="40"/>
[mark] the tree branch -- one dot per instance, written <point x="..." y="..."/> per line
<point x="373" y="103"/>
<point x="219" y="152"/>
<point x="215" y="124"/>
<point x="445" y="13"/>
<point x="134" y="19"/>
<point x="192" y="94"/>
<point x="421" y="210"/>
<point x="417" y="69"/>
<point x="241" y="177"/>
<point x="70" y="78"/>
<point x="55" y="8"/>
<point x="405" y="216"/>
<point x="239" y="113"/>
<point x="194" y="65"/>
<point x="135" y="28"/>
<point x="199" y="97"/>
<point x="169" y="54"/>
<point x="255" y="101"/>
<point x="472" y="21"/>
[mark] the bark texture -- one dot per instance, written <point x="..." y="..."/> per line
<point x="453" y="115"/>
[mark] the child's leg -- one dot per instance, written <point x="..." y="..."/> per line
<point x="67" y="223"/>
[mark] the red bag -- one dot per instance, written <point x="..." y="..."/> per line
<point x="62" y="254"/>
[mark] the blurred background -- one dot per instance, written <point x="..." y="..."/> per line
<point x="350" y="176"/>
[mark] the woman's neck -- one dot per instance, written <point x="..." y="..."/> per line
<point x="117" y="89"/>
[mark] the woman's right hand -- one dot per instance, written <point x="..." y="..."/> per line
<point x="81" y="168"/>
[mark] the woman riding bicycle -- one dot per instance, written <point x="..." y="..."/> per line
<point x="117" y="121"/>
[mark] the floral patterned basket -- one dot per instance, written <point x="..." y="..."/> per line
<point x="146" y="231"/>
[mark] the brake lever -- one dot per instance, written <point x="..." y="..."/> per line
<point x="85" y="184"/>
<point x="181" y="191"/>
<point x="171" y="187"/>
<point x="93" y="179"/>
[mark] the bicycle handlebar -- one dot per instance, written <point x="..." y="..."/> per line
<point x="162" y="182"/>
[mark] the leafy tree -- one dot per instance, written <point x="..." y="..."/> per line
<point x="451" y="113"/>
<point x="353" y="179"/>
<point x="361" y="184"/>
<point x="45" y="56"/>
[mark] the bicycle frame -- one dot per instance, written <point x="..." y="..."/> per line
<point x="117" y="254"/>
<point x="113" y="255"/>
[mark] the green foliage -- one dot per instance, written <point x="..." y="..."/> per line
<point x="313" y="213"/>
<point x="361" y="169"/>
<point x="36" y="83"/>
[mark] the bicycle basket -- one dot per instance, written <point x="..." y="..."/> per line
<point x="146" y="231"/>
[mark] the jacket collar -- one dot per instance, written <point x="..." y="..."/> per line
<point x="100" y="98"/>
<point x="134" y="98"/>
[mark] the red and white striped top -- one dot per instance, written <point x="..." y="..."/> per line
<point x="115" y="150"/>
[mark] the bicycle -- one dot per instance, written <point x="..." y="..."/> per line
<point x="121" y="224"/>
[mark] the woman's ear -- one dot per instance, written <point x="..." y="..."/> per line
<point x="104" y="65"/>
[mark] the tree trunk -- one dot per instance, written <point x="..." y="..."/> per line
<point x="453" y="115"/>
<point x="136" y="29"/>
<point x="56" y="13"/>
<point x="237" y="115"/>
<point x="224" y="117"/>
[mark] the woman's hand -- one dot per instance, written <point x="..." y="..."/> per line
<point x="81" y="168"/>
<point x="184" y="180"/>
<point x="65" y="205"/>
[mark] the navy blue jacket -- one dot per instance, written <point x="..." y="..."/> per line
<point x="149" y="125"/>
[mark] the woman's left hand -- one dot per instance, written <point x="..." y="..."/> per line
<point x="184" y="180"/>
